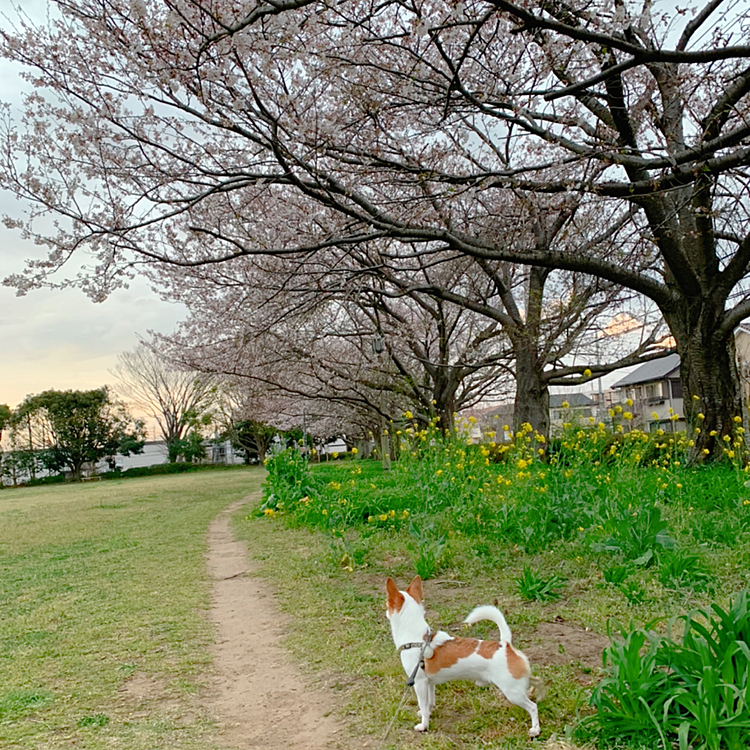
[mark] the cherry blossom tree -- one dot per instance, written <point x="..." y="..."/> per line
<point x="170" y="134"/>
<point x="315" y="344"/>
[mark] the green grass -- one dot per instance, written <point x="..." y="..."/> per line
<point x="104" y="586"/>
<point x="615" y="524"/>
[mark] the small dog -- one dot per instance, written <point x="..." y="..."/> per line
<point x="439" y="657"/>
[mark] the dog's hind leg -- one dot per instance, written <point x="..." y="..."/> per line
<point x="516" y="694"/>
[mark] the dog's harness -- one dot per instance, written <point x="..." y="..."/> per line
<point x="422" y="646"/>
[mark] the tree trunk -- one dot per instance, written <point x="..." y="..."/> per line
<point x="445" y="411"/>
<point x="711" y="383"/>
<point x="532" y="393"/>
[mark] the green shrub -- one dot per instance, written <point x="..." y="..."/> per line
<point x="157" y="469"/>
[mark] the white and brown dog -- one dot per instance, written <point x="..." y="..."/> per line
<point x="432" y="658"/>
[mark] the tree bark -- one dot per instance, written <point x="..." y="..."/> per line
<point x="532" y="392"/>
<point x="708" y="371"/>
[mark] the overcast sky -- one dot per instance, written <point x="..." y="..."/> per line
<point x="60" y="339"/>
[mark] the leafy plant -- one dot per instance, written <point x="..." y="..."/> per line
<point x="692" y="692"/>
<point x="636" y="533"/>
<point x="288" y="479"/>
<point x="682" y="569"/>
<point x="429" y="549"/>
<point x="536" y="588"/>
<point x="616" y="575"/>
<point x="633" y="591"/>
<point x="349" y="553"/>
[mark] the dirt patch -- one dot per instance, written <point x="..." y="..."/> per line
<point x="559" y="643"/>
<point x="140" y="687"/>
<point x="259" y="696"/>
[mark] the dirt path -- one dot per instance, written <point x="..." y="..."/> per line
<point x="259" y="696"/>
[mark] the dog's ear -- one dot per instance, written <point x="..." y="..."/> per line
<point x="395" y="597"/>
<point x="415" y="589"/>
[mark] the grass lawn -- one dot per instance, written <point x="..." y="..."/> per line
<point x="103" y="594"/>
<point x="342" y="635"/>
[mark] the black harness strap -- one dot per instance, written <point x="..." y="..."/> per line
<point x="422" y="648"/>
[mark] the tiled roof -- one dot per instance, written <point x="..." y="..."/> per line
<point x="657" y="369"/>
<point x="573" y="399"/>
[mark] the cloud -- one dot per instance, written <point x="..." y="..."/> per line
<point x="60" y="339"/>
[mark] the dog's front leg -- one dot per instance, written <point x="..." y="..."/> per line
<point x="425" y="698"/>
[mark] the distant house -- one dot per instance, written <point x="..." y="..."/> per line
<point x="569" y="407"/>
<point x="656" y="392"/>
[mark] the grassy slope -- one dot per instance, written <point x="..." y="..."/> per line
<point x="104" y="586"/>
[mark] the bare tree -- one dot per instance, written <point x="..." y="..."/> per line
<point x="177" y="399"/>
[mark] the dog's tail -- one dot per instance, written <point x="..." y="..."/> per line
<point x="493" y="614"/>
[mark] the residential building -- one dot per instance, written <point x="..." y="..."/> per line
<point x="656" y="392"/>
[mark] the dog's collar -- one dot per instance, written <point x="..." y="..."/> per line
<point x="406" y="646"/>
<point x="426" y="638"/>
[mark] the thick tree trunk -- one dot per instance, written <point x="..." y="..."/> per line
<point x="711" y="383"/>
<point x="445" y="410"/>
<point x="532" y="393"/>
